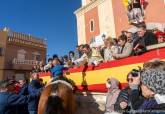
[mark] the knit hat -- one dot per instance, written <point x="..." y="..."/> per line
<point x="154" y="79"/>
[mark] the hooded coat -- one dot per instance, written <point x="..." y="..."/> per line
<point x="112" y="95"/>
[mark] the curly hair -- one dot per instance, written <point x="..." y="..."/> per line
<point x="154" y="64"/>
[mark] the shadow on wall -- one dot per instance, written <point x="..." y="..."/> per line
<point x="86" y="103"/>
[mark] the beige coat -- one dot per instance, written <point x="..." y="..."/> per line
<point x="127" y="50"/>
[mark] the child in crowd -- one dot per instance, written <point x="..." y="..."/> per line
<point x="57" y="70"/>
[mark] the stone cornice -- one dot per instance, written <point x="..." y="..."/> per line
<point x="16" y="41"/>
<point x="88" y="7"/>
<point x="23" y="37"/>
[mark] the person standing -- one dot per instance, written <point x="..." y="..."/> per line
<point x="34" y="87"/>
<point x="136" y="12"/>
<point x="23" y="91"/>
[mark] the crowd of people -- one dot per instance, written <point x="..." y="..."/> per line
<point x="145" y="93"/>
<point x="127" y="44"/>
<point x="146" y="87"/>
<point x="36" y="98"/>
<point x="22" y="101"/>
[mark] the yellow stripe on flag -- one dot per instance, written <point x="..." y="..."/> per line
<point x="100" y="76"/>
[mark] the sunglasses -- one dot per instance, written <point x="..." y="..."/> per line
<point x="129" y="79"/>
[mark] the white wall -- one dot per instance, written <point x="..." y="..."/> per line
<point x="83" y="2"/>
<point x="81" y="29"/>
<point x="106" y="18"/>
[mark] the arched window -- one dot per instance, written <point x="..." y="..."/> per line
<point x="91" y="25"/>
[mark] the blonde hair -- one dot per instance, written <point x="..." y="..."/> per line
<point x="110" y="40"/>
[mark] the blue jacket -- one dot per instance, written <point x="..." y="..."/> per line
<point x="24" y="90"/>
<point x="9" y="102"/>
<point x="57" y="70"/>
<point x="23" y="109"/>
<point x="34" y="88"/>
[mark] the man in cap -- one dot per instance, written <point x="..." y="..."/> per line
<point x="9" y="100"/>
<point x="34" y="87"/>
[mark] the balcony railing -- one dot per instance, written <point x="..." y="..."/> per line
<point x="24" y="62"/>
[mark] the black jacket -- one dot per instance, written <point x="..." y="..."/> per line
<point x="148" y="39"/>
<point x="36" y="88"/>
<point x="137" y="102"/>
<point x="23" y="109"/>
<point x="123" y="97"/>
<point x="133" y="102"/>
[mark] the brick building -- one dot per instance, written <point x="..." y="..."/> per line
<point x="19" y="52"/>
<point x="96" y="17"/>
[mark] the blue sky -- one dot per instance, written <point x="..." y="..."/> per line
<point x="52" y="19"/>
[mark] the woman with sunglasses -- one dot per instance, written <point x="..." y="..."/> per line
<point x="124" y="104"/>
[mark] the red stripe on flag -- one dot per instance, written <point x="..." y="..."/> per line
<point x="96" y="87"/>
<point x="159" y="53"/>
